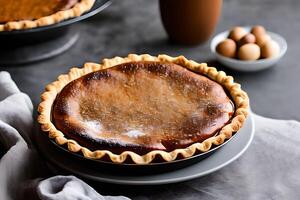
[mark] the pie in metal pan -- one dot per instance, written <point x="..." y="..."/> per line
<point x="142" y="109"/>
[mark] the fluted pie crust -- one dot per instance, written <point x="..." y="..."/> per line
<point x="75" y="10"/>
<point x="238" y="96"/>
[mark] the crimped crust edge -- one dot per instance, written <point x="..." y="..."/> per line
<point x="239" y="97"/>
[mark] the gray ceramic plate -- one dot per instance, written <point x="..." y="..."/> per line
<point x="224" y="156"/>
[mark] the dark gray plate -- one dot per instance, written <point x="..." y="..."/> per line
<point x="132" y="168"/>
<point x="225" y="155"/>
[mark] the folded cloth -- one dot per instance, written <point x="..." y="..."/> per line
<point x="21" y="168"/>
<point x="269" y="169"/>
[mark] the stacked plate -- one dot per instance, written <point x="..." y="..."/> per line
<point x="61" y="160"/>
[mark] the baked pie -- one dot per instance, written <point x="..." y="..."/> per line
<point x="27" y="14"/>
<point x="142" y="109"/>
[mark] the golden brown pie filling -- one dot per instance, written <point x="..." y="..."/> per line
<point x="141" y="106"/>
<point x="16" y="10"/>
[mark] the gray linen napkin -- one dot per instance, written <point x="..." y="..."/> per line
<point x="269" y="169"/>
<point x="20" y="165"/>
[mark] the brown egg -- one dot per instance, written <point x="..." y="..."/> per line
<point x="270" y="49"/>
<point x="237" y="33"/>
<point x="227" y="48"/>
<point x="258" y="30"/>
<point x="249" y="52"/>
<point x="262" y="39"/>
<point x="248" y="38"/>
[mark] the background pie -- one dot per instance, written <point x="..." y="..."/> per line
<point x="26" y="14"/>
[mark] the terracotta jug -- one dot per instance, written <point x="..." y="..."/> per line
<point x="190" y="21"/>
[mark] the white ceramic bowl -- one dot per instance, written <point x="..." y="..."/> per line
<point x="248" y="66"/>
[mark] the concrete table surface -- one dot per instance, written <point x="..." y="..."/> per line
<point x="135" y="27"/>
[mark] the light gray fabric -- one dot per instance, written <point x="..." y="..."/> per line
<point x="69" y="188"/>
<point x="269" y="169"/>
<point x="20" y="165"/>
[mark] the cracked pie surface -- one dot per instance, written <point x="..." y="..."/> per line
<point x="142" y="107"/>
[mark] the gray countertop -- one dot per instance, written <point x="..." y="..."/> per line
<point x="129" y="26"/>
